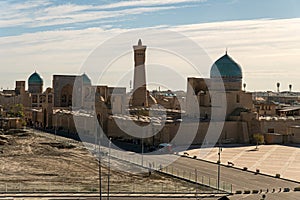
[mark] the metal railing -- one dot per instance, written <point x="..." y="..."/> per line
<point x="134" y="187"/>
<point x="192" y="176"/>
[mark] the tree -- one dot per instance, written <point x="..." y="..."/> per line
<point x="258" y="138"/>
<point x="16" y="111"/>
<point x="19" y="109"/>
<point x="278" y="85"/>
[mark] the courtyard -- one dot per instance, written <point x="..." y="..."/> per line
<point x="268" y="159"/>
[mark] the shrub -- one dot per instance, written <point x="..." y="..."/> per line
<point x="247" y="192"/>
<point x="238" y="192"/>
<point x="297" y="189"/>
<point x="255" y="191"/>
<point x="277" y="176"/>
<point x="245" y="168"/>
<point x="93" y="190"/>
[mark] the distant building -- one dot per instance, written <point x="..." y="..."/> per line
<point x="294" y="133"/>
<point x="10" y="123"/>
<point x="35" y="83"/>
<point x="238" y="113"/>
<point x="285" y="97"/>
<point x="139" y="96"/>
<point x="264" y="108"/>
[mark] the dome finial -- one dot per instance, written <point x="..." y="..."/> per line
<point x="226" y="51"/>
<point x="140" y="42"/>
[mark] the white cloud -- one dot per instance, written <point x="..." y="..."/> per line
<point x="49" y="20"/>
<point x="266" y="44"/>
<point x="267" y="49"/>
<point x="44" y="13"/>
<point x="146" y="3"/>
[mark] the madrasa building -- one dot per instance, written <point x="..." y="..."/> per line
<point x="221" y="99"/>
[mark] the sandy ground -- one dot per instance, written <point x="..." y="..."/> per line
<point x="37" y="162"/>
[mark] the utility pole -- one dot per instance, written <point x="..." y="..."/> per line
<point x="143" y="150"/>
<point x="219" y="165"/>
<point x="55" y="127"/>
<point x="143" y="132"/>
<point x="108" y="177"/>
<point x="99" y="165"/>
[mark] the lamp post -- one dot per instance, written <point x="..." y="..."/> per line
<point x="55" y="126"/>
<point x="219" y="165"/>
<point x="143" y="149"/>
<point x="143" y="134"/>
<point x="99" y="167"/>
<point x="108" y="177"/>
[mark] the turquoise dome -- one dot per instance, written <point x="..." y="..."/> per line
<point x="35" y="78"/>
<point x="226" y="67"/>
<point x="86" y="79"/>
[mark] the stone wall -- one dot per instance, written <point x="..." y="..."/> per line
<point x="277" y="126"/>
<point x="190" y="133"/>
<point x="295" y="134"/>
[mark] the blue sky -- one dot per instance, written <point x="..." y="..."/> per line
<point x="45" y="15"/>
<point x="31" y="30"/>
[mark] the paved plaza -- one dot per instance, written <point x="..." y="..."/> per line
<point x="269" y="159"/>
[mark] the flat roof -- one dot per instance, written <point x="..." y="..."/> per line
<point x="290" y="109"/>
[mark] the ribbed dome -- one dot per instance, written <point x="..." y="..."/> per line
<point x="35" y="78"/>
<point x="226" y="67"/>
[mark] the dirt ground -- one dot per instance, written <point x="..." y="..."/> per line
<point x="41" y="162"/>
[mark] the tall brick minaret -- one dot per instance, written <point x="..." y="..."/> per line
<point x="139" y="97"/>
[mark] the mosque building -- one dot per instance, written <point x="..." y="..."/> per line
<point x="223" y="87"/>
<point x="225" y="75"/>
<point x="35" y="83"/>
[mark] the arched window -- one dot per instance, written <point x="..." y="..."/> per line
<point x="34" y="98"/>
<point x="238" y="98"/>
<point x="63" y="98"/>
<point x="87" y="92"/>
<point x="66" y="95"/>
<point x="70" y="100"/>
<point x="49" y="98"/>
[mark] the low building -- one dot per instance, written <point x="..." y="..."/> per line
<point x="289" y="111"/>
<point x="274" y="138"/>
<point x="11" y="123"/>
<point x="295" y="134"/>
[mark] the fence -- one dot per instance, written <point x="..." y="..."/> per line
<point x="190" y="175"/>
<point x="115" y="188"/>
<point x="197" y="178"/>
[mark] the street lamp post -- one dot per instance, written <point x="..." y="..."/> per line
<point x="143" y="134"/>
<point x="108" y="177"/>
<point x="219" y="165"/>
<point x="99" y="168"/>
<point x="55" y="126"/>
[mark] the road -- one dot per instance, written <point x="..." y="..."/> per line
<point x="240" y="180"/>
